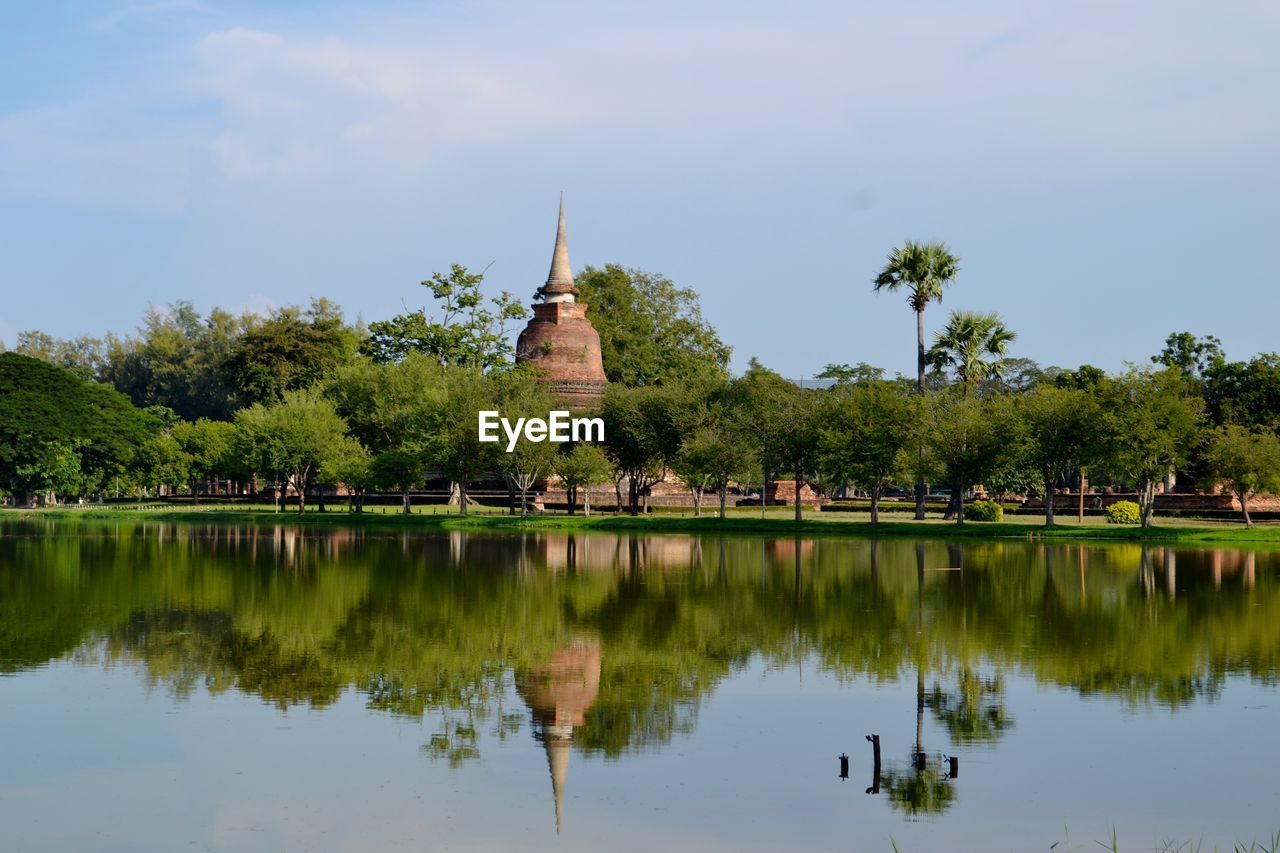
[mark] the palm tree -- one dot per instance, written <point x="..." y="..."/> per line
<point x="974" y="345"/>
<point x="922" y="269"/>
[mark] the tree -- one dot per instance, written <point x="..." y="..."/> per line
<point x="521" y="395"/>
<point x="1245" y="393"/>
<point x="350" y="464"/>
<point x="207" y="445"/>
<point x="289" y="351"/>
<point x="1150" y="423"/>
<point x="1061" y="427"/>
<point x="83" y="355"/>
<point x="641" y="435"/>
<point x="48" y="413"/>
<point x="973" y="345"/>
<point x="845" y="374"/>
<point x="922" y="270"/>
<point x="469" y="333"/>
<point x="967" y="436"/>
<point x="1196" y="358"/>
<point x="295" y="438"/>
<point x="866" y="429"/>
<point x="395" y="409"/>
<point x="1245" y="461"/>
<point x="457" y="447"/>
<point x="176" y="361"/>
<point x="581" y="468"/>
<point x="792" y="432"/>
<point x="651" y="331"/>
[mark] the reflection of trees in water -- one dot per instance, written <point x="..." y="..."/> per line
<point x="439" y="623"/>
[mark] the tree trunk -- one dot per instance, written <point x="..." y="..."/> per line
<point x="320" y="498"/>
<point x="724" y="497"/>
<point x="875" y="504"/>
<point x="524" y="503"/>
<point x="799" y="506"/>
<point x="586" y="499"/>
<point x="301" y="489"/>
<point x="1048" y="500"/>
<point x="1244" y="508"/>
<point x="511" y="497"/>
<point x="1148" y="500"/>
<point x="957" y="502"/>
<point x="462" y="497"/>
<point x="697" y="502"/>
<point x="571" y="495"/>
<point x="633" y="496"/>
<point x="404" y="500"/>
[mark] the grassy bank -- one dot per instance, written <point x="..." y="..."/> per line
<point x="777" y="523"/>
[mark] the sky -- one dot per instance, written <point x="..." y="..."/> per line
<point x="1107" y="173"/>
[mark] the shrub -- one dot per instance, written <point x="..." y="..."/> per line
<point x="983" y="511"/>
<point x="1123" y="512"/>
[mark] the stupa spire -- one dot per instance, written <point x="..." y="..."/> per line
<point x="560" y="279"/>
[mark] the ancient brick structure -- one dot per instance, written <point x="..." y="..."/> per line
<point x="560" y="340"/>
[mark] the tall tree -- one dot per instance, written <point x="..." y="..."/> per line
<point x="521" y="395"/>
<point x="1195" y="357"/>
<point x="973" y="345"/>
<point x="641" y="435"/>
<point x="289" y="351"/>
<point x="470" y="331"/>
<point x="922" y="270"/>
<point x="651" y="331"/>
<point x="457" y="448"/>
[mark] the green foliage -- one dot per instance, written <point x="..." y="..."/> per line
<point x="973" y="345"/>
<point x="1245" y="461"/>
<point x="642" y="433"/>
<point x="1193" y="357"/>
<point x="651" y="331"/>
<point x="967" y="437"/>
<point x="983" y="511"/>
<point x="1061" y="427"/>
<point x="865" y="430"/>
<point x="289" y="351"/>
<point x="845" y="374"/>
<point x="521" y="395"/>
<point x="1150" y="423"/>
<point x="582" y="467"/>
<point x="52" y="419"/>
<point x="1123" y="512"/>
<point x="922" y="270"/>
<point x="1245" y="393"/>
<point x="177" y="361"/>
<point x="294" y="439"/>
<point x="469" y="333"/>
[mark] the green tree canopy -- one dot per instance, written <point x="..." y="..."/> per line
<point x="48" y="415"/>
<point x="289" y="351"/>
<point x="651" y="331"/>
<point x="470" y="332"/>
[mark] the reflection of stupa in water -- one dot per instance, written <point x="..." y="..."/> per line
<point x="559" y="694"/>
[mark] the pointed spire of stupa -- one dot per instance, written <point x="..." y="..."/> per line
<point x="560" y="280"/>
<point x="558" y="752"/>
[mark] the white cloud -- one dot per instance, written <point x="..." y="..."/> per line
<point x="1092" y="91"/>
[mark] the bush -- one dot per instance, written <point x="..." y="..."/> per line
<point x="983" y="511"/>
<point x="1123" y="512"/>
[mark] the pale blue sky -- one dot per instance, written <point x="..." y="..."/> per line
<point x="1107" y="172"/>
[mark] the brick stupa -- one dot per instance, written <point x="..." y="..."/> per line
<point x="560" y="340"/>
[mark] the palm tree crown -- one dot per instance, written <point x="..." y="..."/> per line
<point x="923" y="269"/>
<point x="974" y="345"/>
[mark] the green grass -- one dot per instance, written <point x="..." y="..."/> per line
<point x="776" y="523"/>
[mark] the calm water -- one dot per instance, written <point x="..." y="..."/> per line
<point x="171" y="688"/>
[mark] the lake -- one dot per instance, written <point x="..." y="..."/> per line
<point x="186" y="687"/>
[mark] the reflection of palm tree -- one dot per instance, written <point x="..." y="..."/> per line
<point x="975" y="711"/>
<point x="924" y="791"/>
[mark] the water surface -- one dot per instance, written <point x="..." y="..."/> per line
<point x="219" y="688"/>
